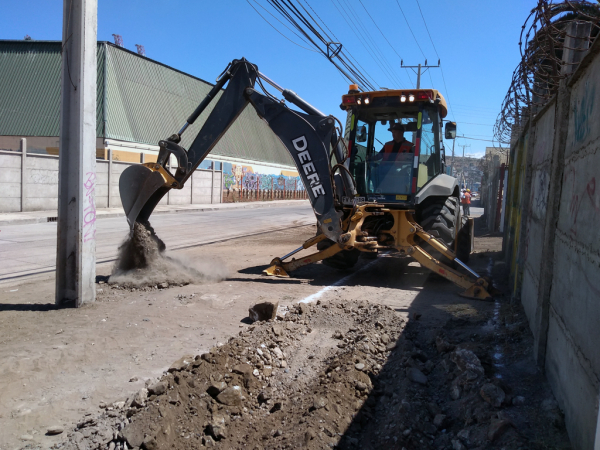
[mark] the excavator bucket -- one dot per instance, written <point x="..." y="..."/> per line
<point x="139" y="186"/>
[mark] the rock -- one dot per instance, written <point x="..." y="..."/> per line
<point x="283" y="365"/>
<point x="304" y="308"/>
<point x="391" y="346"/>
<point x="263" y="311"/>
<point x="231" y="396"/>
<point x="442" y="346"/>
<point x="338" y="335"/>
<point x="277" y="433"/>
<point x="497" y="428"/>
<point x="455" y="392"/>
<point x="467" y="360"/>
<point x="158" y="388"/>
<point x="319" y="402"/>
<point x="133" y="435"/>
<point x="111" y="446"/>
<point x="104" y="434"/>
<point x="359" y="366"/>
<point x="439" y="420"/>
<point x="181" y="363"/>
<point x="360" y="386"/>
<point x="385" y="339"/>
<point x="463" y="435"/>
<point x="55" y="429"/>
<point x="173" y="397"/>
<point x="208" y="441"/>
<point x="268" y="371"/>
<point x="518" y="400"/>
<point x="26" y="437"/>
<point x="133" y="379"/>
<point x="277" y="352"/>
<point x="150" y="443"/>
<point x="416" y="375"/>
<point x="243" y="369"/>
<point x="217" y="427"/>
<point x="492" y="394"/>
<point x="277" y="330"/>
<point x="457" y="445"/>
<point x="309" y="436"/>
<point x="139" y="399"/>
<point x="216" y="388"/>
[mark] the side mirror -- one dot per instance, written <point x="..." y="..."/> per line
<point x="450" y="130"/>
<point x="361" y="134"/>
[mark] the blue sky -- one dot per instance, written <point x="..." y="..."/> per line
<point x="475" y="40"/>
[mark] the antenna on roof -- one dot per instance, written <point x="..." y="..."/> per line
<point x="140" y="49"/>
<point x="27" y="37"/>
<point x="118" y="39"/>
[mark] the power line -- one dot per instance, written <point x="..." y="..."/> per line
<point x="272" y="26"/>
<point x="411" y="31"/>
<point x="375" y="45"/>
<point x="473" y="139"/>
<point x="425" y="22"/>
<point x="344" y="50"/>
<point x="361" y="39"/>
<point x="385" y="37"/>
<point x="298" y="20"/>
<point x="436" y="53"/>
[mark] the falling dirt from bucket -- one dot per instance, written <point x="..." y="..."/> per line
<point x="142" y="261"/>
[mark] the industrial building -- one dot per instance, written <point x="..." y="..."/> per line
<point x="139" y="102"/>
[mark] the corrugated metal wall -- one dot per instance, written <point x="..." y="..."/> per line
<point x="29" y="88"/>
<point x="139" y="100"/>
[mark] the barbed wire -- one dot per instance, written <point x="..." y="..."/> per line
<point x="536" y="78"/>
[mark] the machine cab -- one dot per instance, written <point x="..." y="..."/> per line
<point x="395" y="142"/>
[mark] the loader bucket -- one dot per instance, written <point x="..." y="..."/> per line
<point x="141" y="188"/>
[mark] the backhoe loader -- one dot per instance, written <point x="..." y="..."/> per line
<point x="368" y="195"/>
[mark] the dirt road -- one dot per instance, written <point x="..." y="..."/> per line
<point x="56" y="366"/>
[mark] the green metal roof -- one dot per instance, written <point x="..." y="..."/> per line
<point x="138" y="100"/>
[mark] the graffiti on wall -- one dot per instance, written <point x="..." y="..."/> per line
<point x="582" y="112"/>
<point x="237" y="176"/>
<point x="588" y="194"/>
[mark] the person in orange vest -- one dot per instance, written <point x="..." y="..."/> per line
<point x="398" y="145"/>
<point x="465" y="200"/>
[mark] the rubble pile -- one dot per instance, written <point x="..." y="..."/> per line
<point x="340" y="374"/>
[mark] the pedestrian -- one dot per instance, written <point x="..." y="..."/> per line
<point x="465" y="200"/>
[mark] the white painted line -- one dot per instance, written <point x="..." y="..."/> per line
<point x="314" y="297"/>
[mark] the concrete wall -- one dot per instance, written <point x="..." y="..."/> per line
<point x="553" y="243"/>
<point x="40" y="186"/>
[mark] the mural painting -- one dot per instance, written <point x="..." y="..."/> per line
<point x="237" y="176"/>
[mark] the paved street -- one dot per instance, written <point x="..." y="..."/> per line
<point x="29" y="249"/>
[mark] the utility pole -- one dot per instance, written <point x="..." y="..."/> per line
<point x="463" y="147"/>
<point x="418" y="71"/>
<point x="76" y="222"/>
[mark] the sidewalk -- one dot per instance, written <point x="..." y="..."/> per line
<point x="21" y="218"/>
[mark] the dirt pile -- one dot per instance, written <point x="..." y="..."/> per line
<point x="143" y="262"/>
<point x="341" y="374"/>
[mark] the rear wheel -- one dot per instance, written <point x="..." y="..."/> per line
<point x="438" y="217"/>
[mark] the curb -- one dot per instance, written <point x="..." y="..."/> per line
<point x="100" y="214"/>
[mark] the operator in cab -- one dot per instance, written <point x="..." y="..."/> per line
<point x="397" y="146"/>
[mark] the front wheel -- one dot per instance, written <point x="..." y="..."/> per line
<point x="438" y="217"/>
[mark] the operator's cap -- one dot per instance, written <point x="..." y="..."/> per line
<point x="468" y="190"/>
<point x="396" y="126"/>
